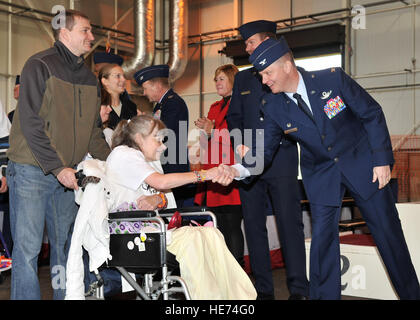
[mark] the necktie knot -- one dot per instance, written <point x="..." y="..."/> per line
<point x="157" y="107"/>
<point x="302" y="105"/>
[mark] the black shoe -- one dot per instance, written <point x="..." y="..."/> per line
<point x="265" y="296"/>
<point x="298" y="297"/>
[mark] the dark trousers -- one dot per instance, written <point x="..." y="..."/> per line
<point x="229" y="220"/>
<point x="382" y="219"/>
<point x="184" y="196"/>
<point x="285" y="202"/>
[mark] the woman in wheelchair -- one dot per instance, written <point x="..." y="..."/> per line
<point x="134" y="164"/>
<point x="134" y="176"/>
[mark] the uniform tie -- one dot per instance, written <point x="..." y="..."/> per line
<point x="302" y="105"/>
<point x="157" y="107"/>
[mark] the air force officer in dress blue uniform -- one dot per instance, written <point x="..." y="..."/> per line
<point x="173" y="111"/>
<point x="345" y="145"/>
<point x="278" y="182"/>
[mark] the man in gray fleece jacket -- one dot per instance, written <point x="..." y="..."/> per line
<point x="53" y="129"/>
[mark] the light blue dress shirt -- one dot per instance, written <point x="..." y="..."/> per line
<point x="301" y="89"/>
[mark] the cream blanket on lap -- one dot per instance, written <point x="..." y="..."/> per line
<point x="208" y="267"/>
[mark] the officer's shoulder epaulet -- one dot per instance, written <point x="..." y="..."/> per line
<point x="169" y="98"/>
<point x="333" y="70"/>
<point x="241" y="75"/>
<point x="326" y="72"/>
<point x="269" y="97"/>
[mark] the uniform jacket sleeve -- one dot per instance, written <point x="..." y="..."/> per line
<point x="262" y="153"/>
<point x="174" y="113"/>
<point x="372" y="117"/>
<point x="234" y="116"/>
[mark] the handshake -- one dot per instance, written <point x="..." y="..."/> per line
<point x="222" y="174"/>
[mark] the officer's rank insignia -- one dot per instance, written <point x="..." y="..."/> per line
<point x="333" y="107"/>
<point x="289" y="131"/>
<point x="244" y="93"/>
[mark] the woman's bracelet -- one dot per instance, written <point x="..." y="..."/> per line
<point x="164" y="202"/>
<point x="201" y="175"/>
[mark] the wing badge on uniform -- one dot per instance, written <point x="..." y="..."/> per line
<point x="326" y="95"/>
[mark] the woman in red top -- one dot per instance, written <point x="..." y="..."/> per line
<point x="216" y="148"/>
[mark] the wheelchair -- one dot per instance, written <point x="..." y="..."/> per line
<point x="145" y="255"/>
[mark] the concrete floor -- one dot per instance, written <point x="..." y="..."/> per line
<point x="279" y="276"/>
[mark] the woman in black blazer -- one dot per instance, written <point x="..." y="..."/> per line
<point x="113" y="94"/>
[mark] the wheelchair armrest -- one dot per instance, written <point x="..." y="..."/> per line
<point x="184" y="210"/>
<point x="190" y="212"/>
<point x="136" y="214"/>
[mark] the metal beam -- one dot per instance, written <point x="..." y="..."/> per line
<point x="313" y="17"/>
<point x="113" y="26"/>
<point x="41" y="24"/>
<point x="51" y="15"/>
<point x="292" y="21"/>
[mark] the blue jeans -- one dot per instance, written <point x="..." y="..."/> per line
<point x="38" y="200"/>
